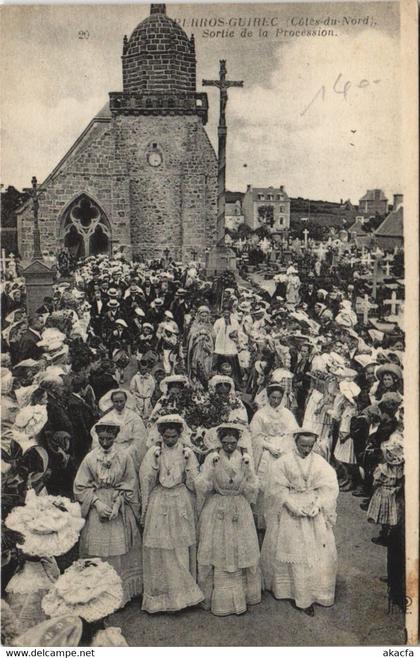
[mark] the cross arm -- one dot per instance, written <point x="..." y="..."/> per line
<point x="211" y="83"/>
<point x="30" y="190"/>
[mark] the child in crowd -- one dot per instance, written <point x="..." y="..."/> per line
<point x="385" y="504"/>
<point x="143" y="386"/>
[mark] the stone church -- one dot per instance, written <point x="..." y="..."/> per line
<point x="143" y="175"/>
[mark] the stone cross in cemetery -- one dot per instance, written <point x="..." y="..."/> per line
<point x="365" y="306"/>
<point x="394" y="302"/>
<point x="388" y="264"/>
<point x="366" y="258"/>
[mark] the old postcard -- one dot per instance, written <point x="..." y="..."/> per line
<point x="209" y="321"/>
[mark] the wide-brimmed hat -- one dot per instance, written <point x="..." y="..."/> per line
<point x="173" y="419"/>
<point x="112" y="303"/>
<point x="170" y="326"/>
<point x="112" y="292"/>
<point x="30" y="420"/>
<point x="172" y="379"/>
<point x="344" y="373"/>
<point x="62" y="631"/>
<point x="391" y="396"/>
<point x="305" y="430"/>
<point x="389" y="368"/>
<point x="52" y="339"/>
<point x="231" y="425"/>
<point x="221" y="379"/>
<point x="365" y="360"/>
<point x="103" y="424"/>
<point x="50" y="525"/>
<point x="280" y="373"/>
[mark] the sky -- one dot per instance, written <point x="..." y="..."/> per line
<point x="291" y="124"/>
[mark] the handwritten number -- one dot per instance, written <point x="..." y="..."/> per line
<point x="320" y="92"/>
<point x="83" y="34"/>
<point x="339" y="87"/>
<point x="345" y="88"/>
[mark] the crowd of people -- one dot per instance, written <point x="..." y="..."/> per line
<point x="205" y="428"/>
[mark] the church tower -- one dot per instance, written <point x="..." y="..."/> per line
<point x="143" y="174"/>
<point x="161" y="144"/>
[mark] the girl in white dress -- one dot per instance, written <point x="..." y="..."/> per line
<point x="272" y="430"/>
<point x="344" y="449"/>
<point x="167" y="476"/>
<point x="228" y="553"/>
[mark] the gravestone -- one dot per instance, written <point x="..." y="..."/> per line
<point x="39" y="279"/>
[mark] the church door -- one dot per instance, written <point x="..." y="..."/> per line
<point x="86" y="230"/>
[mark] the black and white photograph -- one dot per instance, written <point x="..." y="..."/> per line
<point x="209" y="334"/>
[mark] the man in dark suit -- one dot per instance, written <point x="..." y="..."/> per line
<point x="28" y="348"/>
<point x="97" y="311"/>
<point x="82" y="418"/>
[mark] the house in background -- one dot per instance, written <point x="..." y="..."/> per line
<point x="268" y="206"/>
<point x="372" y="203"/>
<point x="234" y="216"/>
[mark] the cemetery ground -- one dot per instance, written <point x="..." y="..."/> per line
<point x="359" y="616"/>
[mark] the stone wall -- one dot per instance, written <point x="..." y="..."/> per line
<point x="88" y="168"/>
<point x="149" y="208"/>
<point x="172" y="205"/>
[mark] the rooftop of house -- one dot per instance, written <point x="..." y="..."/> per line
<point x="374" y="195"/>
<point x="393" y="225"/>
<point x="266" y="192"/>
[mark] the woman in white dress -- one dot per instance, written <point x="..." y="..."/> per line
<point x="298" y="556"/>
<point x="272" y="430"/>
<point x="228" y="553"/>
<point x="167" y="477"/>
<point x="106" y="487"/>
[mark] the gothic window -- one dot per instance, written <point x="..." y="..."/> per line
<point x="86" y="229"/>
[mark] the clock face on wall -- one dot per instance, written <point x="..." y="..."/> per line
<point x="154" y="159"/>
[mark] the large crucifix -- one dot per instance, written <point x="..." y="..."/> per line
<point x="223" y="85"/>
<point x="35" y="192"/>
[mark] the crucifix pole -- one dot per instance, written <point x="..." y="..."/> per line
<point x="38" y="274"/>
<point x="223" y="85"/>
<point x="35" y="192"/>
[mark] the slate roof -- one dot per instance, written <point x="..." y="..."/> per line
<point x="393" y="225"/>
